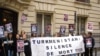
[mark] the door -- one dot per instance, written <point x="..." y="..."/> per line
<point x="9" y="16"/>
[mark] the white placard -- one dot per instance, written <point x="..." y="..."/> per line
<point x="90" y="26"/>
<point x="56" y="46"/>
<point x="9" y="27"/>
<point x="33" y="28"/>
<point x="1" y="31"/>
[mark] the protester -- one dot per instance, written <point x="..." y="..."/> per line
<point x="84" y="35"/>
<point x="89" y="43"/>
<point x="72" y="34"/>
<point x="15" y="45"/>
<point x="21" y="34"/>
<point x="10" y="45"/>
<point x="5" y="43"/>
<point x="21" y="38"/>
<point x="27" y="48"/>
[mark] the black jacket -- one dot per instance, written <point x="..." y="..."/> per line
<point x="10" y="45"/>
<point x="27" y="48"/>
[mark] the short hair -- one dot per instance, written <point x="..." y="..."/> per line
<point x="90" y="33"/>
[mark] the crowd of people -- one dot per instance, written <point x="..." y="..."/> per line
<point x="8" y="44"/>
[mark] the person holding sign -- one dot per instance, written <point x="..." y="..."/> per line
<point x="72" y="34"/>
<point x="20" y="43"/>
<point x="27" y="48"/>
<point x="15" y="45"/>
<point x="21" y="34"/>
<point x="5" y="43"/>
<point x="89" y="44"/>
<point x="10" y="49"/>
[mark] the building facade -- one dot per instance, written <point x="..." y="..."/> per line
<point x="55" y="12"/>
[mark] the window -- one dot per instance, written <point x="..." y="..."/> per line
<point x="86" y="1"/>
<point x="43" y="20"/>
<point x="81" y="23"/>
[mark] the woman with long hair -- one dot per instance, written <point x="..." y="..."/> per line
<point x="10" y="45"/>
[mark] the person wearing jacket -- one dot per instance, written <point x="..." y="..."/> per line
<point x="72" y="34"/>
<point x="27" y="48"/>
<point x="84" y="35"/>
<point x="10" y="45"/>
<point x="89" y="44"/>
<point x="15" y="46"/>
<point x="5" y="43"/>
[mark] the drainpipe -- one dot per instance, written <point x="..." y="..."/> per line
<point x="20" y="1"/>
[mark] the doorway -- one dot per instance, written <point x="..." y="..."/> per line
<point x="9" y="16"/>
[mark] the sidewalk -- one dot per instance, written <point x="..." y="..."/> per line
<point x="98" y="53"/>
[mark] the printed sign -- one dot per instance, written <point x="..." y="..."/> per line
<point x="71" y="27"/>
<point x="62" y="29"/>
<point x="56" y="46"/>
<point x="23" y="18"/>
<point x="89" y="42"/>
<point x="20" y="45"/>
<point x="65" y="17"/>
<point x="48" y="29"/>
<point x="33" y="28"/>
<point x="1" y="31"/>
<point x="89" y="26"/>
<point x="9" y="27"/>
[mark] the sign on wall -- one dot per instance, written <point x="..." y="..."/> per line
<point x="33" y="28"/>
<point x="9" y="27"/>
<point x="23" y="18"/>
<point x="62" y="29"/>
<point x="56" y="46"/>
<point x="48" y="29"/>
<point x="71" y="27"/>
<point x="65" y="17"/>
<point x="89" y="26"/>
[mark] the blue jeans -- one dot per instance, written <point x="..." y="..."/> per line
<point x="10" y="53"/>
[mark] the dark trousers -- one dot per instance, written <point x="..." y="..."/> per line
<point x="14" y="53"/>
<point x="88" y="52"/>
<point x="27" y="54"/>
<point x="82" y="54"/>
<point x="1" y="53"/>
